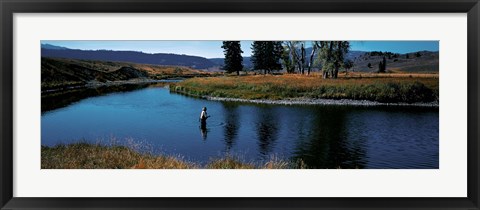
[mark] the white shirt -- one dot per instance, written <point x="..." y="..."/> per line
<point x="203" y="114"/>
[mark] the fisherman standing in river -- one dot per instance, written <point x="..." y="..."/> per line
<point x="203" y="117"/>
<point x="203" y="123"/>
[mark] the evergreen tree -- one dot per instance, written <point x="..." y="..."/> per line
<point x="384" y="64"/>
<point x="276" y="56"/>
<point x="380" y="67"/>
<point x="233" y="56"/>
<point x="266" y="55"/>
<point x="258" y="55"/>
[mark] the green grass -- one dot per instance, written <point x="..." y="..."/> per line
<point x="95" y="156"/>
<point x="385" y="89"/>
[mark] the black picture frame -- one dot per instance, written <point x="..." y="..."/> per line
<point x="10" y="7"/>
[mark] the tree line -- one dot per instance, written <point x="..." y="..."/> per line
<point x="290" y="55"/>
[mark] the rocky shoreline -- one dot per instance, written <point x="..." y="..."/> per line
<point x="310" y="101"/>
<point x="306" y="101"/>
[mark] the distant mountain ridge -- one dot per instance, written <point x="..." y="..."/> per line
<point x="195" y="62"/>
<point x="53" y="47"/>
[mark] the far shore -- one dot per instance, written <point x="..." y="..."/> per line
<point x="95" y="84"/>
<point x="289" y="101"/>
<point x="311" y="101"/>
<point x="310" y="90"/>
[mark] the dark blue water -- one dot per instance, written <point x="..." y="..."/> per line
<point x="154" y="120"/>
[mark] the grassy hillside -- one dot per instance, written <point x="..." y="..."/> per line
<point x="59" y="72"/>
<point x="428" y="62"/>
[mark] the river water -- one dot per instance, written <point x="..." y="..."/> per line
<point x="151" y="119"/>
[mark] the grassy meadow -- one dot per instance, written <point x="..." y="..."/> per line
<point x="386" y="88"/>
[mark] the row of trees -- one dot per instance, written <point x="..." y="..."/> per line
<point x="267" y="55"/>
<point x="291" y="55"/>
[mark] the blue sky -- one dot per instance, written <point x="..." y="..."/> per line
<point x="212" y="49"/>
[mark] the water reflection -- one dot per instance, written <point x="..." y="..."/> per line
<point x="325" y="144"/>
<point x="267" y="130"/>
<point x="230" y="111"/>
<point x="203" y="130"/>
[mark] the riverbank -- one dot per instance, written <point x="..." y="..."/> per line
<point x="299" y="89"/>
<point x="95" y="156"/>
<point x="309" y="101"/>
<point x="96" y="84"/>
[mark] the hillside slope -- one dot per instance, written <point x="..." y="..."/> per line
<point x="60" y="72"/>
<point x="195" y="62"/>
<point x="427" y="62"/>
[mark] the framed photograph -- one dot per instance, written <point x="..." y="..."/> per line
<point x="239" y="105"/>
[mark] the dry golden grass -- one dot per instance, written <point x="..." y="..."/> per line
<point x="397" y="74"/>
<point x="87" y="156"/>
<point x="92" y="156"/>
<point x="302" y="81"/>
<point x="168" y="70"/>
<point x="109" y="66"/>
<point x="229" y="163"/>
